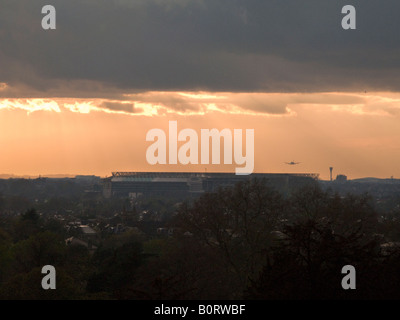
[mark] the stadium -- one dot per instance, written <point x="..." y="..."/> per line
<point x="134" y="184"/>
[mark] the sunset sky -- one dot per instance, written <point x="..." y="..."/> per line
<point x="80" y="99"/>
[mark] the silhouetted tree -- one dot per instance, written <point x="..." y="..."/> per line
<point x="236" y="222"/>
<point x="183" y="270"/>
<point x="27" y="225"/>
<point x="325" y="233"/>
<point x="115" y="262"/>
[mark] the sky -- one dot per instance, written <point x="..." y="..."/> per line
<point x="80" y="99"/>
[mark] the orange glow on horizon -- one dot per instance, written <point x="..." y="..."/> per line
<point x="356" y="133"/>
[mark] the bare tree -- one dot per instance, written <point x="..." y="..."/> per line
<point x="238" y="223"/>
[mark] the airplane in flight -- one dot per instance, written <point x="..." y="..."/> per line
<point x="292" y="163"/>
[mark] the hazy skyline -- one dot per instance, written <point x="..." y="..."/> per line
<point x="80" y="99"/>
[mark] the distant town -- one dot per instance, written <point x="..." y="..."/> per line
<point x="89" y="206"/>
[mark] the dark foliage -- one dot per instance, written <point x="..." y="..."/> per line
<point x="248" y="241"/>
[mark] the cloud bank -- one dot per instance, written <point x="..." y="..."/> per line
<point x="156" y="103"/>
<point x="103" y="49"/>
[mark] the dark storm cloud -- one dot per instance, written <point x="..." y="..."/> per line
<point x="278" y="104"/>
<point x="173" y="101"/>
<point x="213" y="45"/>
<point x="118" y="106"/>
